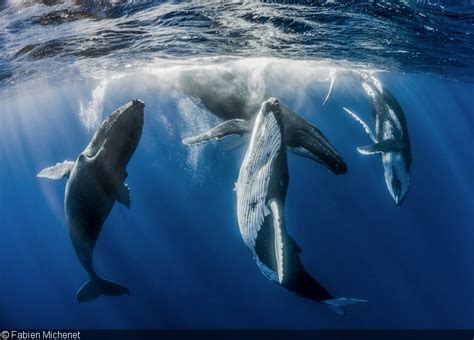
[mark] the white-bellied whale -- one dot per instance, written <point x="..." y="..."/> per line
<point x="94" y="182"/>
<point x="390" y="138"/>
<point x="231" y="99"/>
<point x="261" y="192"/>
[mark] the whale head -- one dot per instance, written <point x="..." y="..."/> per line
<point x="397" y="176"/>
<point x="117" y="137"/>
<point x="271" y="106"/>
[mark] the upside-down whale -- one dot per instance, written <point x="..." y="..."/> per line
<point x="261" y="192"/>
<point x="390" y="139"/>
<point x="231" y="99"/>
<point x="95" y="182"/>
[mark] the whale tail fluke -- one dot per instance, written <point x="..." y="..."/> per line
<point x="338" y="304"/>
<point x="96" y="287"/>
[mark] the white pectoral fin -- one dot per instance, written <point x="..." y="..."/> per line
<point x="58" y="171"/>
<point x="385" y="146"/>
<point x="227" y="128"/>
<point x="361" y="122"/>
<point x="123" y="195"/>
<point x="332" y="79"/>
<point x="278" y="238"/>
<point x="338" y="304"/>
<point x="368" y="150"/>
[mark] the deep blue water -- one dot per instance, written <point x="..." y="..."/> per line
<point x="178" y="248"/>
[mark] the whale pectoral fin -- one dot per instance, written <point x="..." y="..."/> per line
<point x="388" y="145"/>
<point x="123" y="195"/>
<point x="227" y="128"/>
<point x="332" y="79"/>
<point x="58" y="171"/>
<point x="278" y="231"/>
<point x="236" y="144"/>
<point x="308" y="141"/>
<point x="301" y="151"/>
<point x="361" y="122"/>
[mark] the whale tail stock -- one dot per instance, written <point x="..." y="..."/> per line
<point x="96" y="287"/>
<point x="306" y="286"/>
<point x="303" y="284"/>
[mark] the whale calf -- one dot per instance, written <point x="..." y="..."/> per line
<point x="94" y="182"/>
<point x="261" y="192"/>
<point x="226" y="96"/>
<point x="390" y="139"/>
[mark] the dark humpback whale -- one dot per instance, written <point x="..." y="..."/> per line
<point x="390" y="139"/>
<point x="95" y="182"/>
<point x="232" y="99"/>
<point x="261" y="192"/>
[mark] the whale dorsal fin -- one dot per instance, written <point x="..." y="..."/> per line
<point x="294" y="246"/>
<point x="385" y="146"/>
<point x="123" y="194"/>
<point x="58" y="171"/>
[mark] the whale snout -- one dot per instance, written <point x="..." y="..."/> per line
<point x="397" y="175"/>
<point x="137" y="103"/>
<point x="270" y="105"/>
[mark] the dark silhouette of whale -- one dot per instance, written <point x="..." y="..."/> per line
<point x="230" y="98"/>
<point x="95" y="182"/>
<point x="261" y="192"/>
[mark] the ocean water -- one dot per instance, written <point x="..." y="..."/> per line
<point x="64" y="66"/>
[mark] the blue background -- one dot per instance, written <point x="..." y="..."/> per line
<point x="179" y="250"/>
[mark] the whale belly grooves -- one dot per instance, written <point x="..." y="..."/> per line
<point x="254" y="178"/>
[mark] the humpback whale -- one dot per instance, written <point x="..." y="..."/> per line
<point x="94" y="182"/>
<point x="261" y="192"/>
<point x="231" y="99"/>
<point x="390" y="139"/>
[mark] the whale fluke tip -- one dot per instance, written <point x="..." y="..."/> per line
<point x="95" y="287"/>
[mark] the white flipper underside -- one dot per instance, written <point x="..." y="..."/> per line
<point x="331" y="86"/>
<point x="277" y="231"/>
<point x="58" y="171"/>
<point x="227" y="128"/>
<point x="361" y="122"/>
